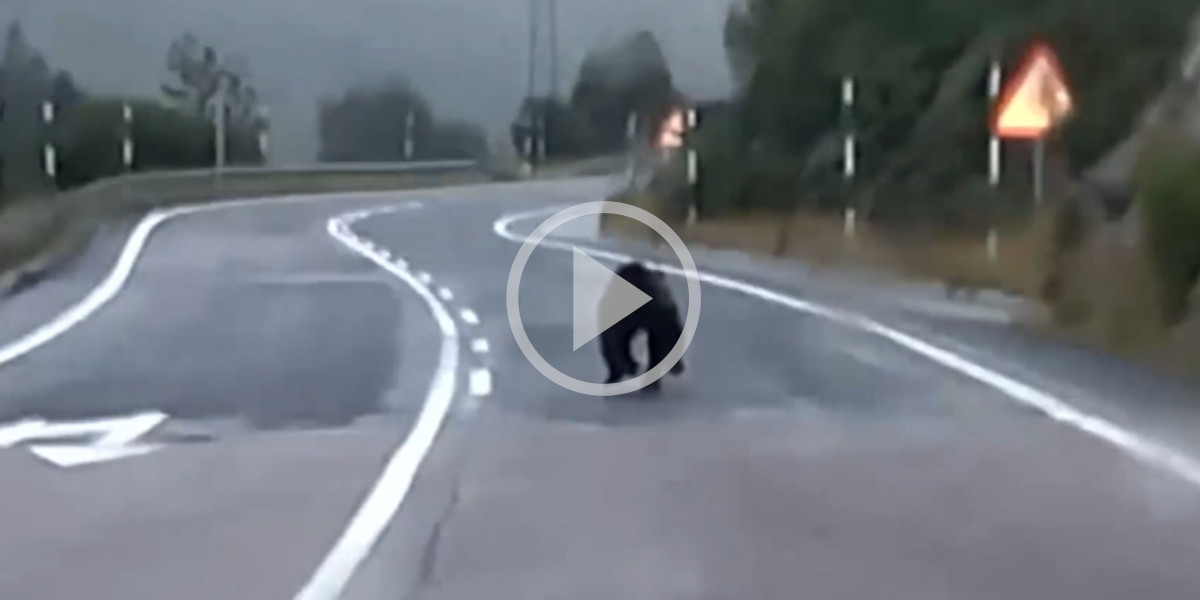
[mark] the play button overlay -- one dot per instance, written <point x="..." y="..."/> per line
<point x="617" y="298"/>
<point x="599" y="298"/>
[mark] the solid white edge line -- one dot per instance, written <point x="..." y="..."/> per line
<point x="481" y="382"/>
<point x="135" y="244"/>
<point x="392" y="486"/>
<point x="445" y="294"/>
<point x="469" y="316"/>
<point x="1146" y="450"/>
<point x="479" y="346"/>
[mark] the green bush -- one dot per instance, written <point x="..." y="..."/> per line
<point x="163" y="138"/>
<point x="1167" y="180"/>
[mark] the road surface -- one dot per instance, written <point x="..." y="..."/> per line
<point x="304" y="369"/>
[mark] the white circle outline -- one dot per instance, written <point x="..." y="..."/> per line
<point x="688" y="264"/>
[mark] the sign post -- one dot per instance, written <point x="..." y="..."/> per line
<point x="1035" y="101"/>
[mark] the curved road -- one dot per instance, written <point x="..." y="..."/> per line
<point x="348" y="413"/>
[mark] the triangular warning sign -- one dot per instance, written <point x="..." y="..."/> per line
<point x="1035" y="99"/>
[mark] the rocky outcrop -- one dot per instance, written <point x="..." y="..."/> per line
<point x="1105" y="284"/>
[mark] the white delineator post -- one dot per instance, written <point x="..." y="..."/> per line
<point x="693" y="165"/>
<point x="848" y="151"/>
<point x="631" y="127"/>
<point x="409" y="125"/>
<point x="264" y="133"/>
<point x="49" y="156"/>
<point x="127" y="137"/>
<point x="994" y="75"/>
<point x="994" y="82"/>
<point x="848" y="143"/>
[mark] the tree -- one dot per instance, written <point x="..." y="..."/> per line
<point x="370" y="122"/>
<point x="568" y="134"/>
<point x="920" y="68"/>
<point x="199" y="72"/>
<point x="26" y="81"/>
<point x="164" y="138"/>
<point x="631" y="77"/>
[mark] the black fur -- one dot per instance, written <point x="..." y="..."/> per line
<point x="658" y="318"/>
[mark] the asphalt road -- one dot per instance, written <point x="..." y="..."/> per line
<point x="799" y="456"/>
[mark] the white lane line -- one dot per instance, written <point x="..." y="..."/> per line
<point x="1147" y="450"/>
<point x="425" y="278"/>
<point x="479" y="346"/>
<point x="387" y="495"/>
<point x="469" y="316"/>
<point x="401" y="264"/>
<point x="445" y="294"/>
<point x="119" y="276"/>
<point x="481" y="382"/>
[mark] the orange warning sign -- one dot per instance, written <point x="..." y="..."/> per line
<point x="1035" y="100"/>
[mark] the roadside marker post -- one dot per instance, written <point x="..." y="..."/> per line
<point x="848" y="151"/>
<point x="1034" y="102"/>
<point x="127" y="136"/>
<point x="1029" y="107"/>
<point x="49" y="156"/>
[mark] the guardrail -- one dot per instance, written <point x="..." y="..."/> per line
<point x="39" y="233"/>
<point x="347" y="168"/>
<point x="150" y="189"/>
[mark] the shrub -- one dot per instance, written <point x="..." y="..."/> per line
<point x="163" y="138"/>
<point x="1167" y="181"/>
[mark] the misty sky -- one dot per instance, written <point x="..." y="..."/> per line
<point x="468" y="56"/>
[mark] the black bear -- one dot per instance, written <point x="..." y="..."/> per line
<point x="658" y="319"/>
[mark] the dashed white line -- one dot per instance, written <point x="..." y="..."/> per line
<point x="390" y="490"/>
<point x="445" y="294"/>
<point x="480" y="382"/>
<point x="479" y="346"/>
<point x="425" y="278"/>
<point x="401" y="264"/>
<point x="1147" y="450"/>
<point x="469" y="316"/>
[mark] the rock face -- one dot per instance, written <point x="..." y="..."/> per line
<point x="1177" y="107"/>
<point x="1105" y="284"/>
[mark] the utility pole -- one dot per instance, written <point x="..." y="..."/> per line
<point x="553" y="48"/>
<point x="219" y="122"/>
<point x="533" y="31"/>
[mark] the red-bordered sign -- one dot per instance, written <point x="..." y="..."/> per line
<point x="1035" y="99"/>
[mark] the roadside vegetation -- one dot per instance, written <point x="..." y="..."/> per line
<point x="1111" y="252"/>
<point x="44" y="218"/>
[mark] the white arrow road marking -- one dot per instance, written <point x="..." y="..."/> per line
<point x="77" y="456"/>
<point x="111" y="438"/>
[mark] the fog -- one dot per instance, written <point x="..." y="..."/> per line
<point x="468" y="56"/>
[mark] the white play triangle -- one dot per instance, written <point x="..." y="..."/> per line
<point x="599" y="298"/>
